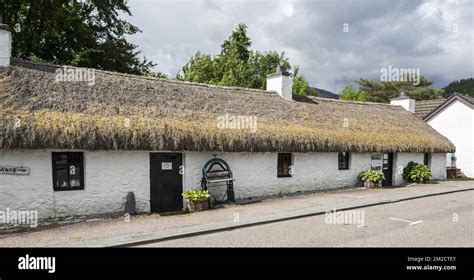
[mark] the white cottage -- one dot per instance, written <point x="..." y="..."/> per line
<point x="75" y="147"/>
<point x="452" y="117"/>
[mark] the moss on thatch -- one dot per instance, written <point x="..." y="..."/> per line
<point x="129" y="112"/>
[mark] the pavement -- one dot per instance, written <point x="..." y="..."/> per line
<point x="144" y="229"/>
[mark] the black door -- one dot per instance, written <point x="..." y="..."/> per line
<point x="387" y="168"/>
<point x="166" y="182"/>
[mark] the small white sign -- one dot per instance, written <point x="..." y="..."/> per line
<point x="376" y="162"/>
<point x="14" y="170"/>
<point x="166" y="166"/>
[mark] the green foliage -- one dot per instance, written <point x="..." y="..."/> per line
<point x="154" y="74"/>
<point x="80" y="33"/>
<point x="416" y="172"/>
<point x="349" y="93"/>
<point x="195" y="194"/>
<point x="382" y="92"/>
<point x="371" y="175"/>
<point x="238" y="65"/>
<point x="463" y="86"/>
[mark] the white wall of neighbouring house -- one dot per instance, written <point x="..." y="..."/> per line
<point x="109" y="176"/>
<point x="456" y="122"/>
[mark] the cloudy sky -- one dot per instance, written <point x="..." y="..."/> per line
<point x="434" y="36"/>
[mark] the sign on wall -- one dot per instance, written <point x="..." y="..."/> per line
<point x="166" y="166"/>
<point x="12" y="170"/>
<point x="376" y="162"/>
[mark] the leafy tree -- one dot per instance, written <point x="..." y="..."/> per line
<point x="154" y="74"/>
<point x="263" y="63"/>
<point x="463" y="86"/>
<point x="81" y="33"/>
<point x="201" y="68"/>
<point x="300" y="85"/>
<point x="238" y="65"/>
<point x="349" y="93"/>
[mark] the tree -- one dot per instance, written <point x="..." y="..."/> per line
<point x="263" y="63"/>
<point x="200" y="68"/>
<point x="300" y="85"/>
<point x="463" y="86"/>
<point x="238" y="65"/>
<point x="382" y="92"/>
<point x="349" y="93"/>
<point x="79" y="33"/>
<point x="153" y="74"/>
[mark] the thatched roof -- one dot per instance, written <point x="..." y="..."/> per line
<point x="131" y="112"/>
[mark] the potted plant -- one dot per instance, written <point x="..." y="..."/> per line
<point x="371" y="178"/>
<point x="196" y="200"/>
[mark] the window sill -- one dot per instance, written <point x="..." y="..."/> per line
<point x="68" y="189"/>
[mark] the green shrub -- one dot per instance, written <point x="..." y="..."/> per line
<point x="416" y="172"/>
<point x="371" y="175"/>
<point x="195" y="194"/>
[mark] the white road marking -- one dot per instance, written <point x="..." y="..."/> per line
<point x="411" y="223"/>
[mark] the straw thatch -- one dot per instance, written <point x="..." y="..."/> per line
<point x="134" y="113"/>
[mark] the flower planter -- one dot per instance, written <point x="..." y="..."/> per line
<point x="197" y="205"/>
<point x="370" y="184"/>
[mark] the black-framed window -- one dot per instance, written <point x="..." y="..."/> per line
<point x="426" y="159"/>
<point x="343" y="160"/>
<point x="68" y="171"/>
<point x="284" y="165"/>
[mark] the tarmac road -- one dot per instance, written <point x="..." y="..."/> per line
<point x="437" y="221"/>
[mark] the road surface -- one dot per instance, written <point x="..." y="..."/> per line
<point x="437" y="221"/>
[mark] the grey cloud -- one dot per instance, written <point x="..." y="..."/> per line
<point x="399" y="33"/>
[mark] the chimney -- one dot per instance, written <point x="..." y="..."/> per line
<point x="404" y="101"/>
<point x="5" y="45"/>
<point x="281" y="82"/>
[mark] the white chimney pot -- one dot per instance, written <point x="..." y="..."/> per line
<point x="404" y="101"/>
<point x="5" y="45"/>
<point x="281" y="82"/>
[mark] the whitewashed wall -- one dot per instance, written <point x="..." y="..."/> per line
<point x="437" y="165"/>
<point x="400" y="161"/>
<point x="109" y="176"/>
<point x="256" y="174"/>
<point x="456" y="123"/>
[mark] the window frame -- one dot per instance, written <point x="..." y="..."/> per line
<point x="347" y="160"/>
<point x="54" y="156"/>
<point x="427" y="159"/>
<point x="290" y="163"/>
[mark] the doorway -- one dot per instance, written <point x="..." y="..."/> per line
<point x="387" y="169"/>
<point x="166" y="182"/>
